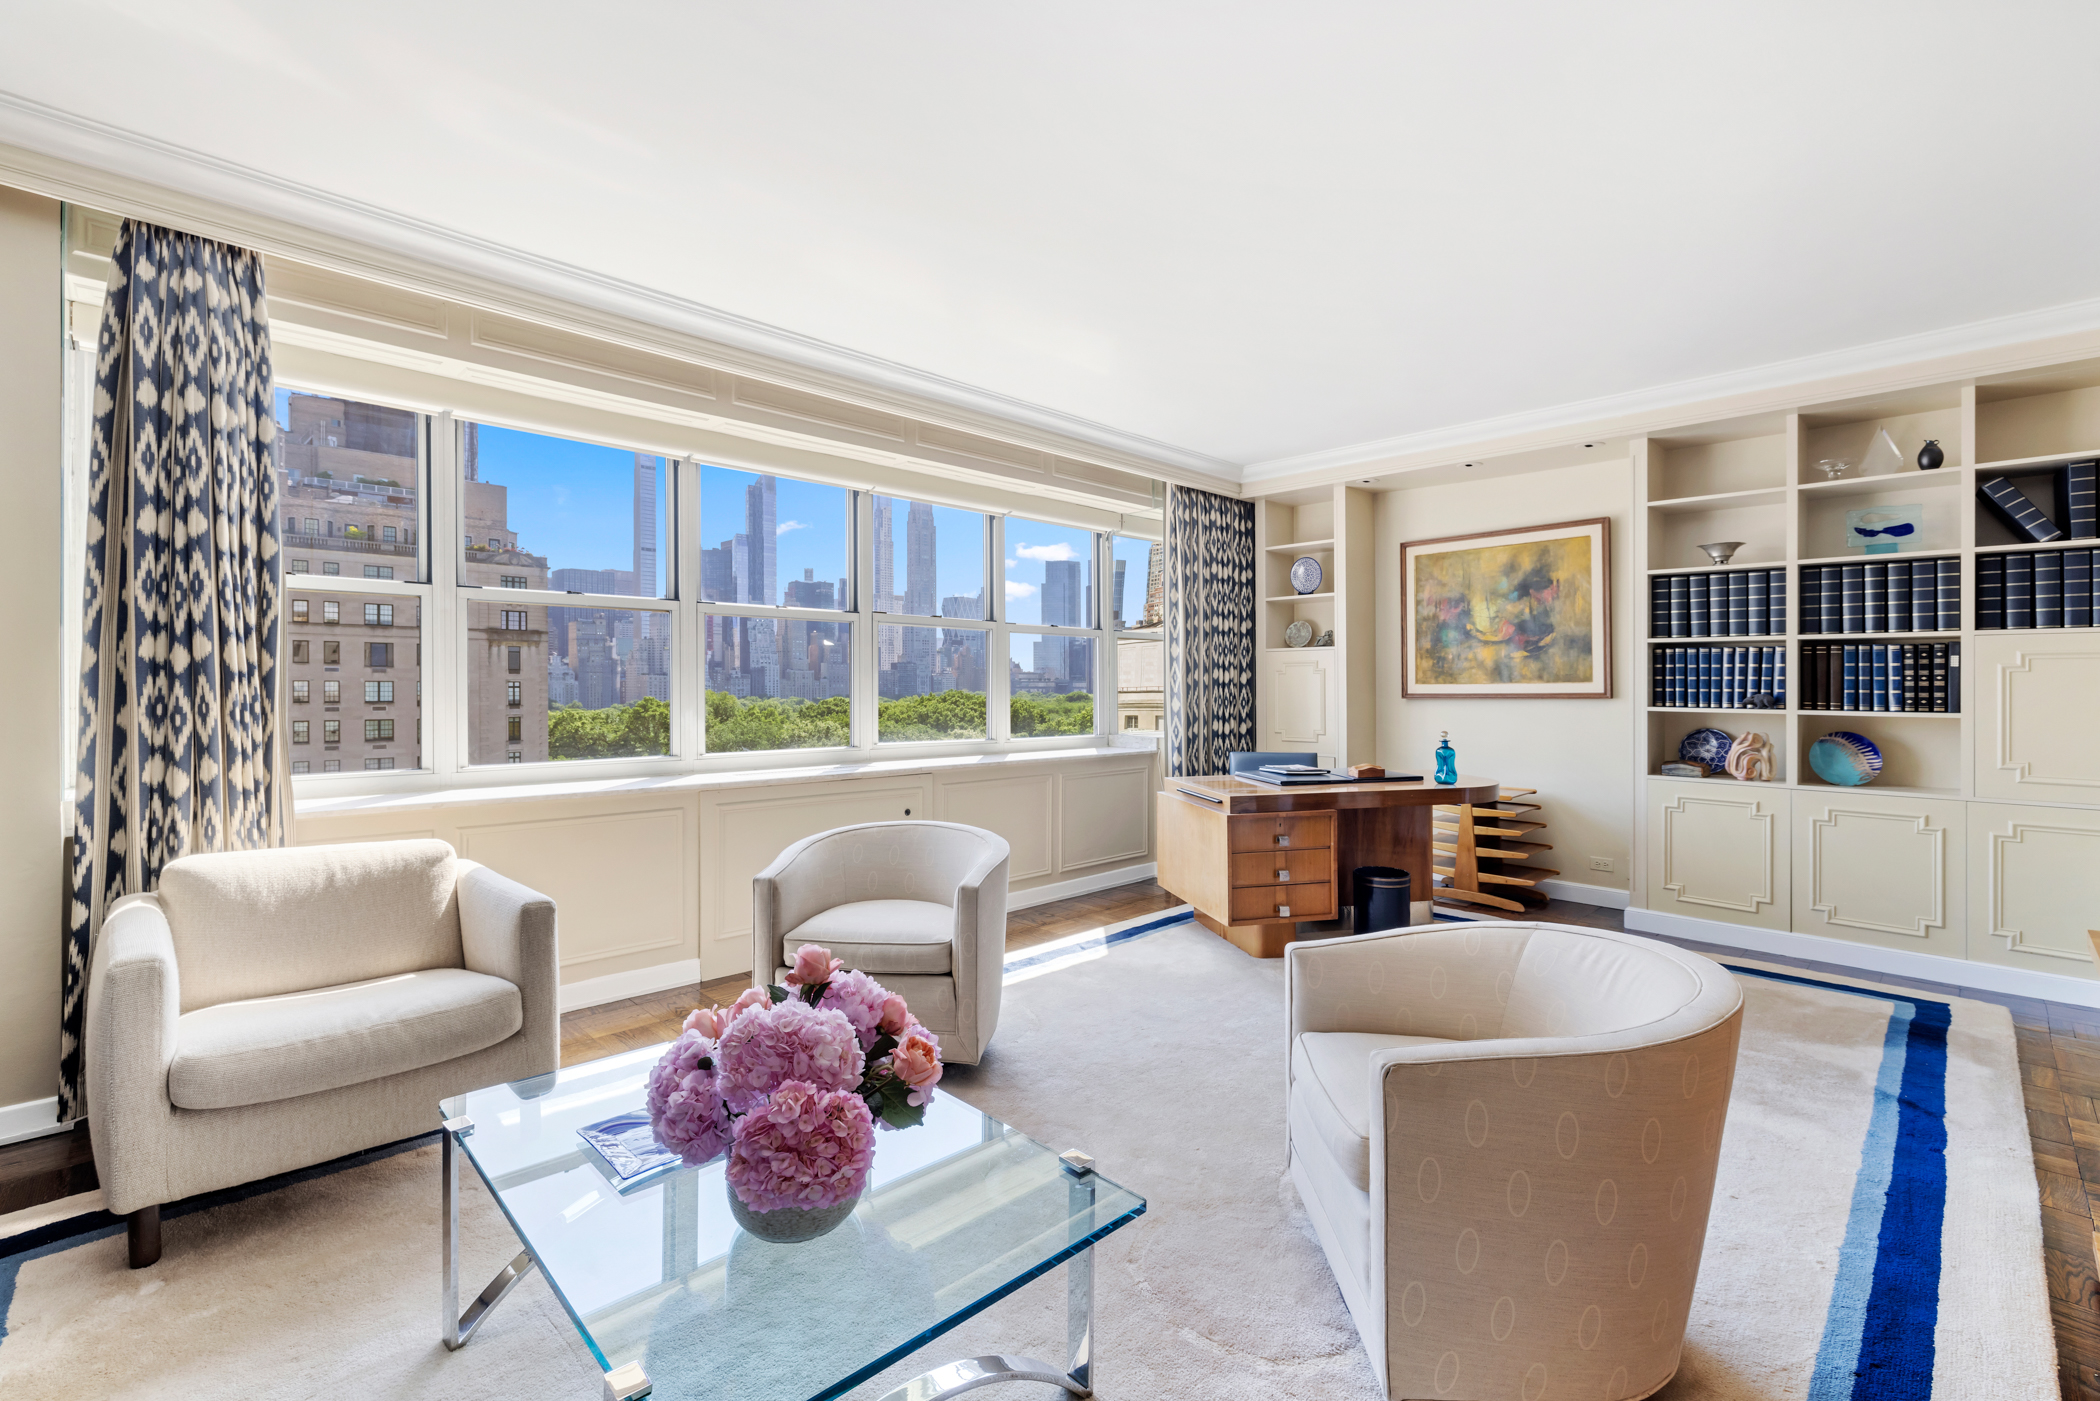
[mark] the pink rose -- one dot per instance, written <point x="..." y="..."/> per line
<point x="708" y="1021"/>
<point x="814" y="966"/>
<point x="917" y="1062"/>
<point x="895" y="1016"/>
<point x="752" y="997"/>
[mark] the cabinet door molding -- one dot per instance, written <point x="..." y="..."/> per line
<point x="1880" y="870"/>
<point x="1719" y="853"/>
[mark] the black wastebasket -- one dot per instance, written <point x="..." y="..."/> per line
<point x="1384" y="899"/>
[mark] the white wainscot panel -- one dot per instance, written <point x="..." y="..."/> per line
<point x="2034" y="881"/>
<point x="618" y="881"/>
<point x="1301" y="692"/>
<point x="2036" y="739"/>
<point x="1880" y="870"/>
<point x="1022" y="810"/>
<point x="740" y="836"/>
<point x="1106" y="818"/>
<point x="1718" y="850"/>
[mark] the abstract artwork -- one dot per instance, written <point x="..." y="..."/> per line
<point x="1509" y="613"/>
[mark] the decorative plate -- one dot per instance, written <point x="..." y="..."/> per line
<point x="1297" y="634"/>
<point x="1306" y="574"/>
<point x="1708" y="746"/>
<point x="1845" y="758"/>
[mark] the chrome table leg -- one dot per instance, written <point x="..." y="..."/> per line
<point x="456" y="1328"/>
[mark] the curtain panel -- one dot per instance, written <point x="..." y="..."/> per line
<point x="179" y="707"/>
<point x="1210" y="630"/>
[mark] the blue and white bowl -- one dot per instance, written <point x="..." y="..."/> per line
<point x="1708" y="746"/>
<point x="1845" y="758"/>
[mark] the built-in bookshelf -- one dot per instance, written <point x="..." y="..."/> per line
<point x="1318" y="697"/>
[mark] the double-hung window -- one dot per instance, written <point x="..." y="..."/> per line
<point x="933" y="658"/>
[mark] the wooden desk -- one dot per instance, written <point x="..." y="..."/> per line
<point x="1223" y="844"/>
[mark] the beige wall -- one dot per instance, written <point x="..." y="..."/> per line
<point x="32" y="869"/>
<point x="1577" y="753"/>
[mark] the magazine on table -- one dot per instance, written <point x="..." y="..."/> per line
<point x="625" y="1149"/>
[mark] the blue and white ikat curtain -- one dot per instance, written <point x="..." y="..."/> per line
<point x="179" y="707"/>
<point x="1210" y="630"/>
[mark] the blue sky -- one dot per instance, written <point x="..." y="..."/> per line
<point x="572" y="502"/>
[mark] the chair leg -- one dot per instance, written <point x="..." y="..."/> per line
<point x="142" y="1234"/>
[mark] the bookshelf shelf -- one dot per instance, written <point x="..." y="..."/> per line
<point x="1925" y="553"/>
<point x="1940" y="479"/>
<point x="1316" y="596"/>
<point x="1301" y="547"/>
<point x="1725" y="640"/>
<point x="1761" y="496"/>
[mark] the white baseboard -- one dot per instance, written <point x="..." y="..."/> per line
<point x="616" y="987"/>
<point x="32" y="1118"/>
<point x="1870" y="958"/>
<point x="1080" y="885"/>
<point x="1607" y="896"/>
<point x="635" y="982"/>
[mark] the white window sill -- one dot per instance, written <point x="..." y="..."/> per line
<point x="1113" y="747"/>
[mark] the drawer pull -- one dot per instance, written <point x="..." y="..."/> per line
<point x="1283" y="839"/>
<point x="1283" y="911"/>
<point x="1283" y="877"/>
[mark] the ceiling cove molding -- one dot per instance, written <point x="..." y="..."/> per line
<point x="83" y="161"/>
<point x="1914" y="359"/>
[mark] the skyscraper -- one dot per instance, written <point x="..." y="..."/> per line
<point x="1155" y="586"/>
<point x="1064" y="593"/>
<point x="647" y="468"/>
<point x="762" y="531"/>
<point x="885" y="557"/>
<point x="1116" y="596"/>
<point x="918" y="590"/>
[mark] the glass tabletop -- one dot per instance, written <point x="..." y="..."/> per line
<point x="958" y="1212"/>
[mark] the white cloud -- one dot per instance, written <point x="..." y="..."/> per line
<point x="1060" y="550"/>
<point x="785" y="526"/>
<point x="1016" y="589"/>
<point x="1013" y="564"/>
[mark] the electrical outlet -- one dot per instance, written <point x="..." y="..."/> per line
<point x="1601" y="863"/>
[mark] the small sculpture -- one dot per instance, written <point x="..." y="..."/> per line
<point x="1930" y="456"/>
<point x="1763" y="700"/>
<point x="1750" y="759"/>
<point x="1832" y="467"/>
<point x="1325" y="639"/>
<point x="1722" y="551"/>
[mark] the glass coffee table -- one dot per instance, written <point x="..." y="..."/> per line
<point x="676" y="1302"/>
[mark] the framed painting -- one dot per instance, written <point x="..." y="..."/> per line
<point x="1509" y="613"/>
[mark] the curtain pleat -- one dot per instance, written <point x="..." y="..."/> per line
<point x="1210" y="630"/>
<point x="178" y="742"/>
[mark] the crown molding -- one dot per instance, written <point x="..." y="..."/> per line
<point x="80" y="160"/>
<point x="1921" y="358"/>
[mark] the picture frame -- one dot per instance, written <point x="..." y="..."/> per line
<point x="1511" y="614"/>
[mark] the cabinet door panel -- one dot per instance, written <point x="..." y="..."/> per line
<point x="1301" y="701"/>
<point x="1880" y="870"/>
<point x="1718" y="850"/>
<point x="2034" y="699"/>
<point x="2034" y="887"/>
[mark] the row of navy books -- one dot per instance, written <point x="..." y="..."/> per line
<point x="1739" y="603"/>
<point x="1896" y="595"/>
<point x="2077" y="514"/>
<point x="2035" y="589"/>
<point x="1718" y="678"/>
<point x="1915" y="676"/>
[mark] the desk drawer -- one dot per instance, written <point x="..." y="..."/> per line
<point x="1272" y="903"/>
<point x="1280" y="831"/>
<point x="1285" y="867"/>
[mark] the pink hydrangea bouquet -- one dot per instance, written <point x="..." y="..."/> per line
<point x="791" y="1082"/>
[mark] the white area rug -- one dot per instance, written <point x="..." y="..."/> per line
<point x="1162" y="1056"/>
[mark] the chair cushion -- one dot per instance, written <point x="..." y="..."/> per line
<point x="1331" y="1092"/>
<point x="883" y="936"/>
<point x="300" y="1043"/>
<point x="257" y="923"/>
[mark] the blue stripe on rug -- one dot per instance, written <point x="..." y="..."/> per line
<point x="1103" y="941"/>
<point x="1878" y="1337"/>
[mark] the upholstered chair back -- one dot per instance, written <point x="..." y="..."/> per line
<point x="260" y="923"/>
<point x="883" y="861"/>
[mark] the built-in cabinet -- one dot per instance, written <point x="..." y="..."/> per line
<point x="1319" y="697"/>
<point x="1980" y="839"/>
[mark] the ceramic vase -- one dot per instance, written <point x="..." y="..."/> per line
<point x="1930" y="456"/>
<point x="790" y="1225"/>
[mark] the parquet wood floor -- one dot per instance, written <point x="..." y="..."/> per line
<point x="2059" y="1054"/>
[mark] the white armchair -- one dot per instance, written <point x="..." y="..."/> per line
<point x="919" y="906"/>
<point x="1506" y="1136"/>
<point x="268" y="1010"/>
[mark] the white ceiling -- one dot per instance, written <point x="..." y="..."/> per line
<point x="1252" y="231"/>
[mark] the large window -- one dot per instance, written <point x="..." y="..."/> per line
<point x="598" y="603"/>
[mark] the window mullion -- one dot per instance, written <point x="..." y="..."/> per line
<point x="998" y="682"/>
<point x="442" y="712"/>
<point x="863" y="690"/>
<point x="689" y="669"/>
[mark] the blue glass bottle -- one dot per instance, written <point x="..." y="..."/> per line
<point x="1446" y="760"/>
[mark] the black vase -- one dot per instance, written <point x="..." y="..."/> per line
<point x="1930" y="455"/>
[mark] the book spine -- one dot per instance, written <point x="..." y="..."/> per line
<point x="1699" y="587"/>
<point x="1848" y="693"/>
<point x="1877" y="597"/>
<point x="2080" y="507"/>
<point x="1948" y="595"/>
<point x="1658" y="685"/>
<point x="1899" y="596"/>
<point x="1717" y="606"/>
<point x="1832" y="600"/>
<point x="2048" y="588"/>
<point x="1739" y="603"/>
<point x="1680" y="606"/>
<point x="1775" y="588"/>
<point x="1924" y="614"/>
<point x="2019" y="591"/>
<point x="1676" y="691"/>
<point x="1854" y="611"/>
<point x="2019" y="515"/>
<point x="1881" y="679"/>
<point x="1953" y="678"/>
<point x="1990" y="591"/>
<point x="1779" y="674"/>
<point x="1939" y="676"/>
<point x="1811" y="619"/>
<point x="1658" y="607"/>
<point x="2078" y="588"/>
<point x="1760" y="582"/>
<point x="1742" y="678"/>
<point x="1909" y="691"/>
